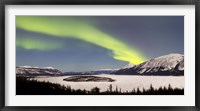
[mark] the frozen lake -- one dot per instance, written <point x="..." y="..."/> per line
<point x="125" y="82"/>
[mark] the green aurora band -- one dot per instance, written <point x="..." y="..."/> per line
<point x="30" y="43"/>
<point x="70" y="28"/>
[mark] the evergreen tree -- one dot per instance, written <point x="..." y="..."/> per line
<point x="110" y="88"/>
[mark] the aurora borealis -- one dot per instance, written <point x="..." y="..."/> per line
<point x="81" y="31"/>
<point x="35" y="44"/>
<point x="63" y="42"/>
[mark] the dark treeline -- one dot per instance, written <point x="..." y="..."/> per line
<point x="25" y="86"/>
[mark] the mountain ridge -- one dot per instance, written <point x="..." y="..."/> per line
<point x="171" y="64"/>
<point x="36" y="71"/>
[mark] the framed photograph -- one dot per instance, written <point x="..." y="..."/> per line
<point x="114" y="55"/>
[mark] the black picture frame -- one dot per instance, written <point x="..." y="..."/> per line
<point x="99" y="2"/>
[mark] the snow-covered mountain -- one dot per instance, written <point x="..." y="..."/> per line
<point x="28" y="70"/>
<point x="100" y="71"/>
<point x="129" y="66"/>
<point x="104" y="71"/>
<point x="172" y="64"/>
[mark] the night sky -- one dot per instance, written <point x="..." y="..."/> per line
<point x="84" y="43"/>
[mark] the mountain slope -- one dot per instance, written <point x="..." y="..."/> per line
<point x="172" y="64"/>
<point x="101" y="71"/>
<point x="28" y="70"/>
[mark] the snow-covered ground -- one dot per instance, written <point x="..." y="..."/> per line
<point x="125" y="82"/>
